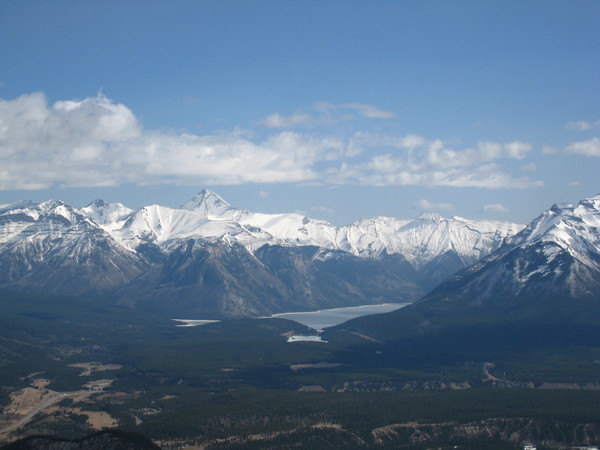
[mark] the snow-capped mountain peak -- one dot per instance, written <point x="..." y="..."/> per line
<point x="554" y="222"/>
<point x="574" y="229"/>
<point x="47" y="219"/>
<point x="51" y="209"/>
<point x="211" y="205"/>
<point x="588" y="210"/>
<point x="108" y="215"/>
<point x="556" y="256"/>
<point x="208" y="216"/>
<point x="208" y="239"/>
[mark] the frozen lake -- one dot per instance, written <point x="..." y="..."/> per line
<point x="193" y="322"/>
<point x="330" y="317"/>
<point x="317" y="320"/>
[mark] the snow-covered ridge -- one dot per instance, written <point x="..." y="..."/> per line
<point x="161" y="225"/>
<point x="208" y="216"/>
<point x="110" y="215"/>
<point x="575" y="229"/>
<point x="557" y="256"/>
<point x="44" y="218"/>
<point x="420" y="240"/>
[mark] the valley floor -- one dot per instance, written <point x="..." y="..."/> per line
<point x="241" y="384"/>
<point x="311" y="405"/>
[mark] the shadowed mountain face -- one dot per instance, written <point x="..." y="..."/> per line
<point x="51" y="248"/>
<point x="208" y="258"/>
<point x="545" y="277"/>
<point x="212" y="279"/>
<point x="557" y="255"/>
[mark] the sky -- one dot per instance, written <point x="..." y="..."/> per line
<point x="338" y="109"/>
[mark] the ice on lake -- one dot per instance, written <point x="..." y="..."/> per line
<point x="318" y="320"/>
<point x="193" y="322"/>
<point x="298" y="338"/>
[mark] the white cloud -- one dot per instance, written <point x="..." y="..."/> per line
<point x="415" y="160"/>
<point x="583" y="125"/>
<point x="488" y="176"/>
<point x="425" y="205"/>
<point x="326" y="114"/>
<point x="347" y="110"/>
<point x="369" y="111"/>
<point x="264" y="194"/>
<point x="438" y="156"/>
<point x="575" y="183"/>
<point x="278" y="121"/>
<point x="97" y="142"/>
<point x="363" y="139"/>
<point x="585" y="148"/>
<point x="495" y="208"/>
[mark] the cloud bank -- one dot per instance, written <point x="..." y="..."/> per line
<point x="415" y="160"/>
<point x="97" y="142"/>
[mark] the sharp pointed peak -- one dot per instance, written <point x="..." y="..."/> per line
<point x="203" y="197"/>
<point x="209" y="203"/>
<point x="561" y="207"/>
<point x="207" y="193"/>
<point x="210" y="194"/>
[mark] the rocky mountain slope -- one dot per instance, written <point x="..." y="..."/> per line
<point x="556" y="255"/>
<point x="50" y="247"/>
<point x="208" y="257"/>
<point x="546" y="277"/>
<point x="425" y="241"/>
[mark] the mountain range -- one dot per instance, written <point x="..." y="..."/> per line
<point x="541" y="284"/>
<point x="210" y="259"/>
<point x="556" y="255"/>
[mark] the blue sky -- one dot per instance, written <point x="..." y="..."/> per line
<point x="340" y="109"/>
